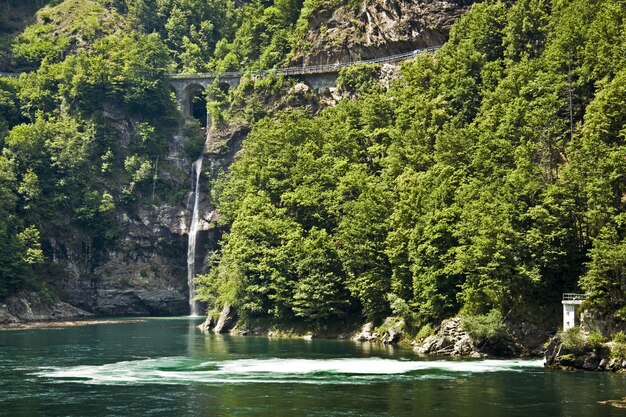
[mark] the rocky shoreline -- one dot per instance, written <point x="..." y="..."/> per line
<point x="587" y="358"/>
<point x="448" y="339"/>
<point x="30" y="307"/>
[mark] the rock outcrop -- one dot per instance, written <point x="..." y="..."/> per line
<point x="28" y="306"/>
<point x="588" y="358"/>
<point x="605" y="322"/>
<point x="451" y="340"/>
<point x="226" y="321"/>
<point x="144" y="273"/>
<point x="376" y="28"/>
<point x="390" y="332"/>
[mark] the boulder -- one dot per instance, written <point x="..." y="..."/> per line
<point x="451" y="340"/>
<point x="227" y="320"/>
<point x="365" y="334"/>
<point x="393" y="330"/>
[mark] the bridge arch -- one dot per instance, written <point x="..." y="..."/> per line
<point x="224" y="86"/>
<point x="193" y="102"/>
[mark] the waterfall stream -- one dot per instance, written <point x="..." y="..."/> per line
<point x="193" y="232"/>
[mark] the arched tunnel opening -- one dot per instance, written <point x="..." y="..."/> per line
<point x="224" y="88"/>
<point x="198" y="107"/>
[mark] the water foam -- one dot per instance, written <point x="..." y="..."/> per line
<point x="180" y="370"/>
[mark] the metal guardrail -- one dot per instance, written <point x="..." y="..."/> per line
<point x="570" y="296"/>
<point x="9" y="74"/>
<point x="314" y="69"/>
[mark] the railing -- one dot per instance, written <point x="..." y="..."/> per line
<point x="314" y="69"/>
<point x="570" y="296"/>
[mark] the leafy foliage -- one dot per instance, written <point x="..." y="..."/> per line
<point x="484" y="327"/>
<point x="574" y="340"/>
<point x="487" y="176"/>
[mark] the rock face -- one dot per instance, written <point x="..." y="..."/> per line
<point x="390" y="332"/>
<point x="226" y="321"/>
<point x="144" y="270"/>
<point x="604" y="322"/>
<point x="590" y="358"/>
<point x="451" y="340"/>
<point x="376" y="28"/>
<point x="30" y="307"/>
<point x="144" y="274"/>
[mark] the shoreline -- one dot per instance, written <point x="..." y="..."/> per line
<point x="70" y="322"/>
<point x="551" y="357"/>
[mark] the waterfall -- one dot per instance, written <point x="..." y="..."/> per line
<point x="193" y="232"/>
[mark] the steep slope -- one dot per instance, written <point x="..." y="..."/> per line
<point x="373" y="28"/>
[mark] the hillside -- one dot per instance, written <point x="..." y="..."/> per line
<point x="97" y="185"/>
<point x="483" y="180"/>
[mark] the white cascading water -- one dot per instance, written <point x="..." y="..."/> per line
<point x="193" y="232"/>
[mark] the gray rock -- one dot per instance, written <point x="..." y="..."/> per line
<point x="226" y="321"/>
<point x="463" y="346"/>
<point x="29" y="306"/>
<point x="134" y="301"/>
<point x="377" y="28"/>
<point x="592" y="362"/>
<point x="365" y="334"/>
<point x="451" y="340"/>
<point x="393" y="332"/>
<point x="207" y="324"/>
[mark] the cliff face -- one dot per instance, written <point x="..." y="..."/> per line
<point x="143" y="274"/>
<point x="143" y="271"/>
<point x="376" y="28"/>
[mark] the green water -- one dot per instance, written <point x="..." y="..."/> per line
<point x="164" y="367"/>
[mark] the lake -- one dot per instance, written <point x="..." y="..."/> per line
<point x="165" y="367"/>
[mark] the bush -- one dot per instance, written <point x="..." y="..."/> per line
<point x="619" y="337"/>
<point x="618" y="347"/>
<point x="425" y="331"/>
<point x="358" y="78"/>
<point x="194" y="146"/>
<point x="486" y="326"/>
<point x="398" y="306"/>
<point x="595" y="339"/>
<point x="574" y="340"/>
<point x="618" y="350"/>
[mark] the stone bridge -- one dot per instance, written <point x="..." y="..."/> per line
<point x="186" y="86"/>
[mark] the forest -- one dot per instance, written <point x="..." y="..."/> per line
<point x="488" y="176"/>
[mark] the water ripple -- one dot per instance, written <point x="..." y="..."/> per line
<point x="182" y="370"/>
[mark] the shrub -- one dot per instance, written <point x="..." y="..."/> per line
<point x="619" y="337"/>
<point x="574" y="340"/>
<point x="425" y="331"/>
<point x="485" y="326"/>
<point x="358" y="78"/>
<point x="595" y="339"/>
<point x="194" y="146"/>
<point x="618" y="350"/>
<point x="398" y="306"/>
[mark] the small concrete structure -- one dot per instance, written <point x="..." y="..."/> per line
<point x="570" y="303"/>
